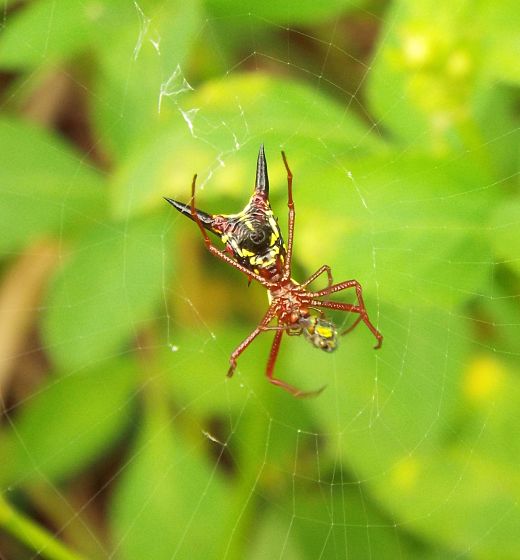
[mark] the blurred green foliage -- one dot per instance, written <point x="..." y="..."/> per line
<point x="406" y="163"/>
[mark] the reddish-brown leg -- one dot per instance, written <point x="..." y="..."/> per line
<point x="278" y="382"/>
<point x="339" y="288"/>
<point x="220" y="254"/>
<point x="352" y="327"/>
<point x="279" y="328"/>
<point x="349" y="308"/>
<point x="363" y="312"/>
<point x="271" y="312"/>
<point x="321" y="270"/>
<point x="291" y="330"/>
<point x="290" y="227"/>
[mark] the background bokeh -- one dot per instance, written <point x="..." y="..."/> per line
<point x="120" y="435"/>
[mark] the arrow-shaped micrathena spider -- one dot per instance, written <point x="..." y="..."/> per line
<point x="254" y="245"/>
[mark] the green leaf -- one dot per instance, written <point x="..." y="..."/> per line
<point x="67" y="424"/>
<point x="143" y="60"/>
<point x="495" y="305"/>
<point x="435" y="65"/>
<point x="504" y="232"/>
<point x="409" y="227"/>
<point x="337" y="523"/>
<point x="422" y="429"/>
<point x="502" y="38"/>
<point x="168" y="502"/>
<point x="457" y="496"/>
<point x="49" y="32"/>
<point x="46" y="186"/>
<point x="272" y="536"/>
<point x="495" y="111"/>
<point x="44" y="31"/>
<point x="197" y="361"/>
<point x="106" y="292"/>
<point x="407" y="388"/>
<point x="216" y="116"/>
<point x="303" y="12"/>
<point x="198" y="365"/>
<point x="454" y="491"/>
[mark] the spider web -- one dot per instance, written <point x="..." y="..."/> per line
<point x="121" y="433"/>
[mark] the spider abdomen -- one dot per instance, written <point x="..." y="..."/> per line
<point x="256" y="242"/>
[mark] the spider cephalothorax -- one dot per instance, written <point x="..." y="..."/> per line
<point x="254" y="246"/>
<point x="252" y="236"/>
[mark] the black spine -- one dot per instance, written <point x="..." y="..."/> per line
<point x="262" y="179"/>
<point x="206" y="219"/>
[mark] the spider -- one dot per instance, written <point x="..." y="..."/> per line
<point x="254" y="245"/>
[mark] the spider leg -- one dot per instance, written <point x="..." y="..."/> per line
<point x="278" y="328"/>
<point x="290" y="227"/>
<point x="217" y="252"/>
<point x="321" y="270"/>
<point x="363" y="312"/>
<point x="352" y="327"/>
<point x="290" y="330"/>
<point x="349" y="308"/>
<point x="278" y="382"/>
<point x="320" y="312"/>
<point x="247" y="341"/>
<point x="339" y="288"/>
